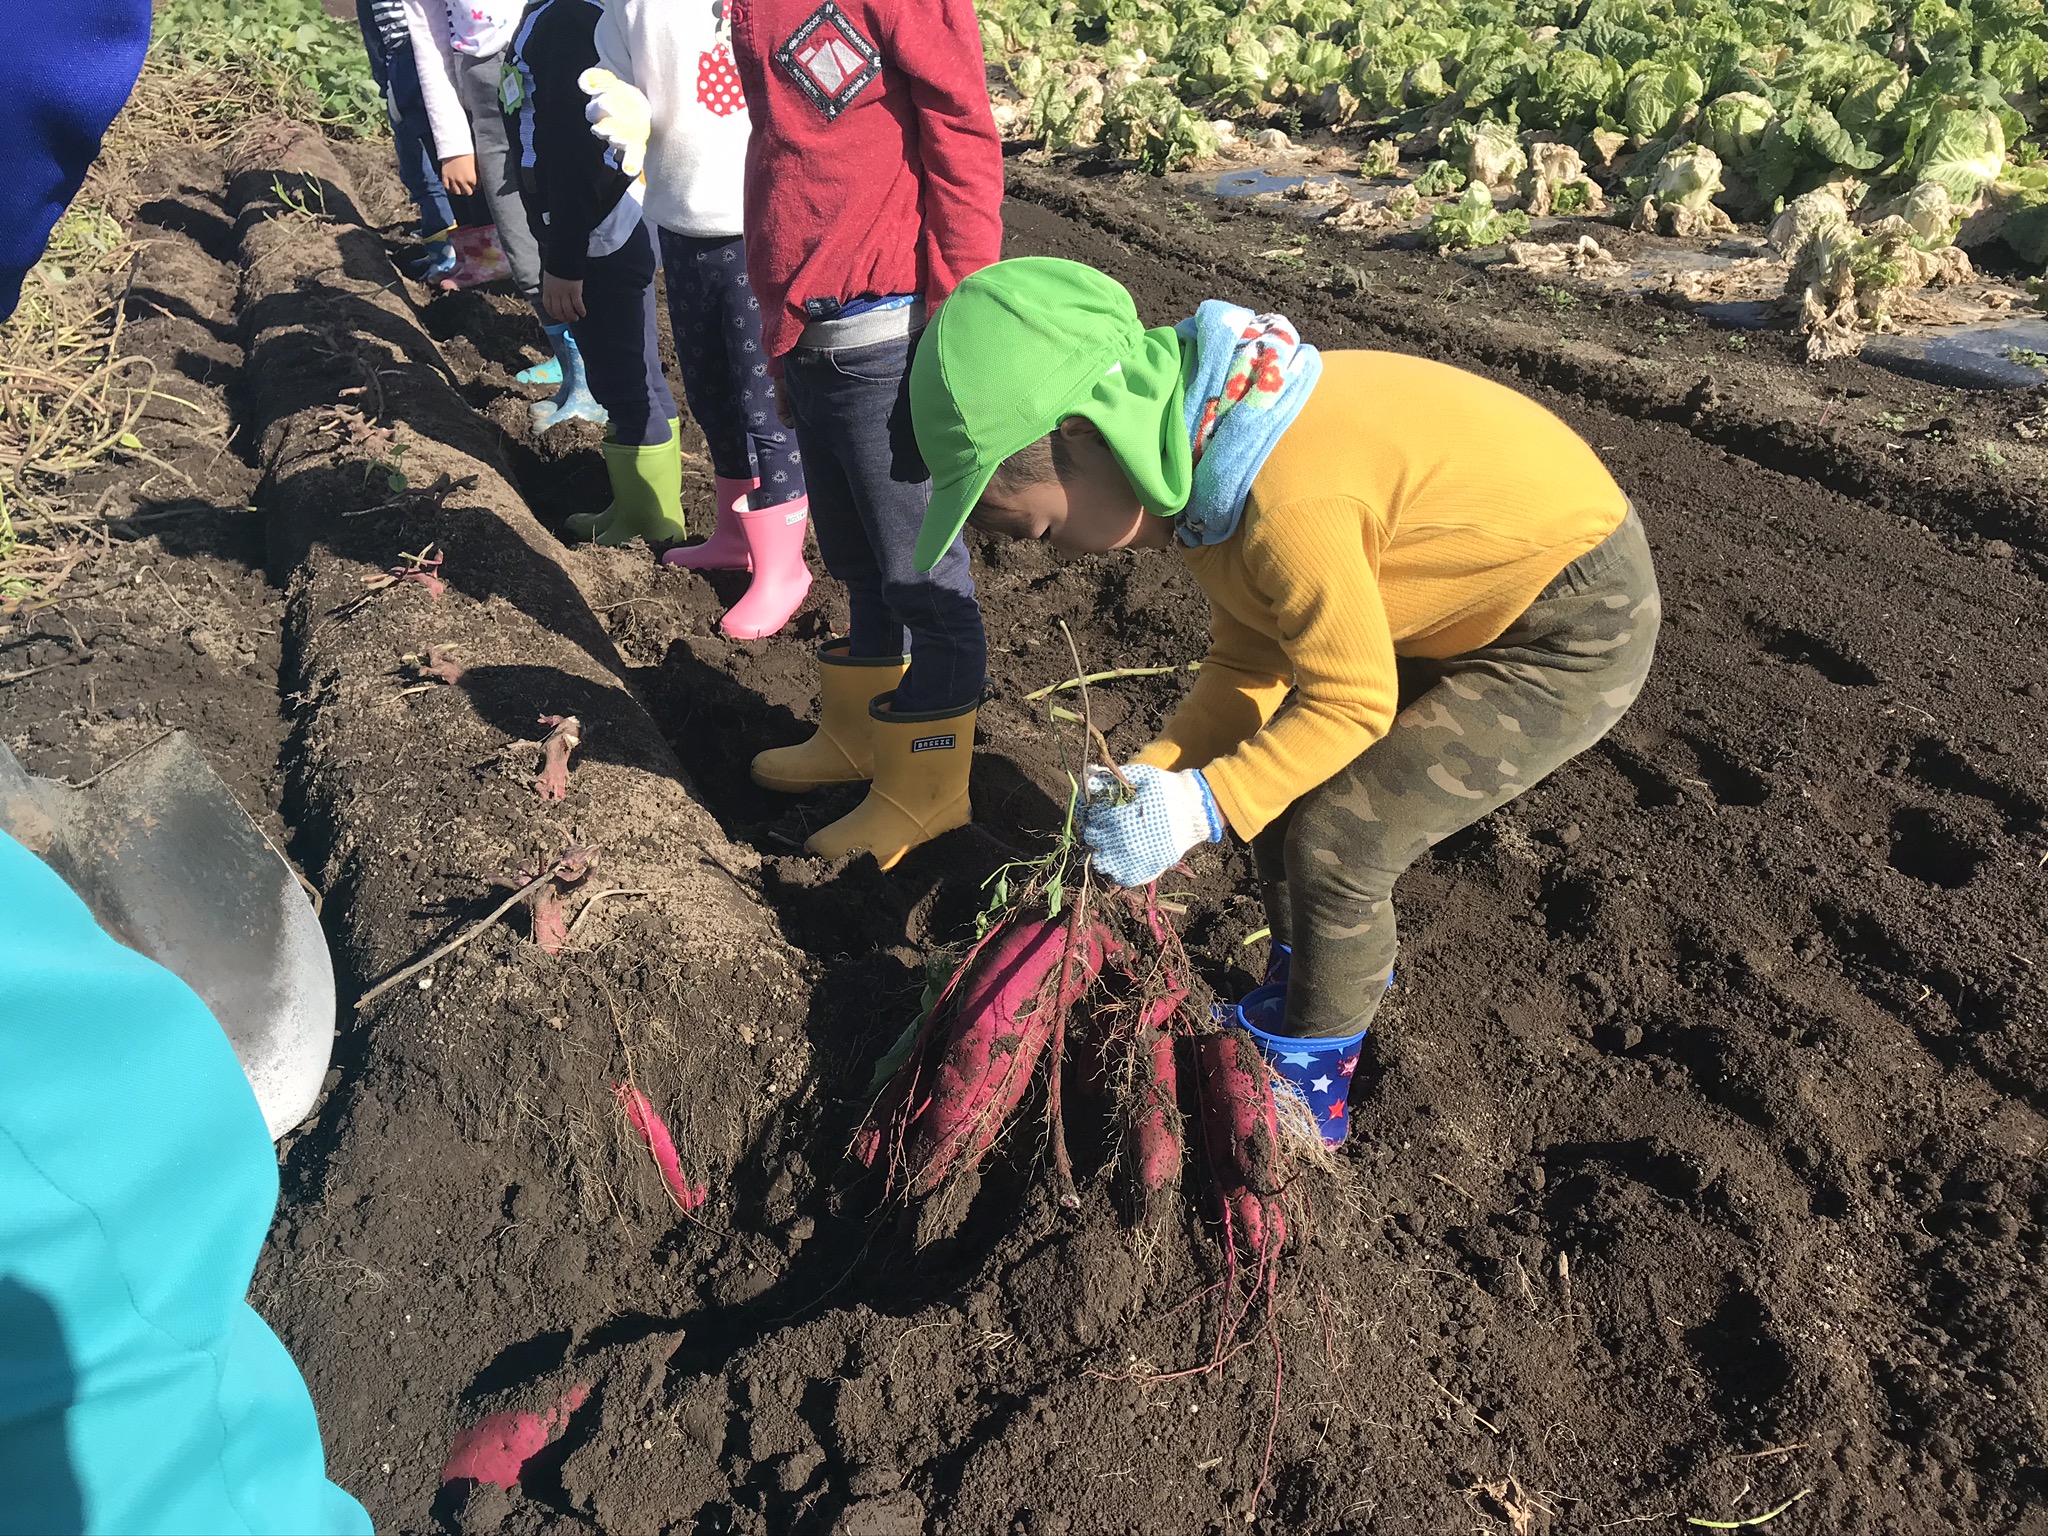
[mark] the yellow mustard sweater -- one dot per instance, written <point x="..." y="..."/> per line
<point x="1412" y="509"/>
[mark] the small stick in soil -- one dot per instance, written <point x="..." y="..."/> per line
<point x="121" y="761"/>
<point x="1096" y="677"/>
<point x="619" y="893"/>
<point x="1733" y="1525"/>
<point x="1088" y="714"/>
<point x="436" y="494"/>
<point x="77" y="658"/>
<point x="567" y="862"/>
<point x="1461" y="1189"/>
<point x="1776" y="1450"/>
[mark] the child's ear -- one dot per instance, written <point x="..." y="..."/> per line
<point x="1077" y="428"/>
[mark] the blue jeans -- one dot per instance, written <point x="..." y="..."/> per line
<point x="717" y="326"/>
<point x="616" y="335"/>
<point x="869" y="489"/>
<point x="398" y="77"/>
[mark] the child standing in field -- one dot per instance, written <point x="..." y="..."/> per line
<point x="387" y="39"/>
<point x="1369" y="528"/>
<point x="597" y="267"/>
<point x="874" y="184"/>
<point x="668" y="91"/>
<point x="471" y="39"/>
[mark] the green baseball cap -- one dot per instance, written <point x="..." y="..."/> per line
<point x="1019" y="347"/>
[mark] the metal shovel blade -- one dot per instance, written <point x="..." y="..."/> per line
<point x="174" y="868"/>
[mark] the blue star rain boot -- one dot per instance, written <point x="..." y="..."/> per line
<point x="1319" y="1071"/>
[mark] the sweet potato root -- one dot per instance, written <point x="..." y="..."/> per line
<point x="1241" y="1133"/>
<point x="1001" y="1021"/>
<point x="640" y="1114"/>
<point x="964" y="1080"/>
<point x="565" y="735"/>
<point x="497" y="1449"/>
<point x="1152" y="1137"/>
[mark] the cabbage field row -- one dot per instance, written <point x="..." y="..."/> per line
<point x="1924" y="111"/>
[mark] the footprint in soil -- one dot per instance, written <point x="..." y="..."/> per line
<point x="1940" y="766"/>
<point x="1730" y="780"/>
<point x="1738" y="1351"/>
<point x="1929" y="847"/>
<point x="1570" y="905"/>
<point x="1830" y="660"/>
<point x="1655" y="789"/>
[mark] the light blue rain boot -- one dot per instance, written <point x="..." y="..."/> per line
<point x="573" y="401"/>
<point x="1319" y="1071"/>
<point x="435" y="262"/>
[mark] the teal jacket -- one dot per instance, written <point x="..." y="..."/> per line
<point x="138" y="1390"/>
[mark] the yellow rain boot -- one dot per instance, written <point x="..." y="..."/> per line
<point x="919" y="789"/>
<point x="841" y="750"/>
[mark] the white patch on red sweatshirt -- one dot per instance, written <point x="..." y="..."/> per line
<point x="829" y="60"/>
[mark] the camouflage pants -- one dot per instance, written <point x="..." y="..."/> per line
<point x="1474" y="731"/>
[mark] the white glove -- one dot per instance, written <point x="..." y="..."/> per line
<point x="1133" y="839"/>
<point x="618" y="114"/>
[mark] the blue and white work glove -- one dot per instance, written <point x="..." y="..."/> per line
<point x="1134" y="838"/>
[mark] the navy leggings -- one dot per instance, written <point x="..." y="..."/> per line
<point x="869" y="491"/>
<point x="616" y="335"/>
<point x="717" y="327"/>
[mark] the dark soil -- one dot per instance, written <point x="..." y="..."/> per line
<point x="1695" y="1162"/>
<point x="167" y="622"/>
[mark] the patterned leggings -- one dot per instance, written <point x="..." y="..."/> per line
<point x="717" y="326"/>
<point x="1486" y="726"/>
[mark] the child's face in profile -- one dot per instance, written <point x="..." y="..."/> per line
<point x="1090" y="510"/>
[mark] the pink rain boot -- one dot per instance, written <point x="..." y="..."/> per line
<point x="726" y="549"/>
<point x="775" y="535"/>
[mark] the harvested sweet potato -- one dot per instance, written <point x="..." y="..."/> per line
<point x="1153" y="1147"/>
<point x="1241" y="1133"/>
<point x="1001" y="1021"/>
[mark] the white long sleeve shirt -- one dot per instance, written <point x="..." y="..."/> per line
<point x="426" y="22"/>
<point x="680" y="57"/>
<point x="481" y="27"/>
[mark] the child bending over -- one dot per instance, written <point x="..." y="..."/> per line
<point x="1369" y="527"/>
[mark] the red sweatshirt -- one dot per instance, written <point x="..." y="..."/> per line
<point x="874" y="165"/>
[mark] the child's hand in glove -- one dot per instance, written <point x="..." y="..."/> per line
<point x="1134" y="838"/>
<point x="619" y="115"/>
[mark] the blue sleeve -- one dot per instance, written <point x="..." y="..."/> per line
<point x="139" y="1393"/>
<point x="64" y="74"/>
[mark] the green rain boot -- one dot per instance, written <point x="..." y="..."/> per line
<point x="647" y="495"/>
